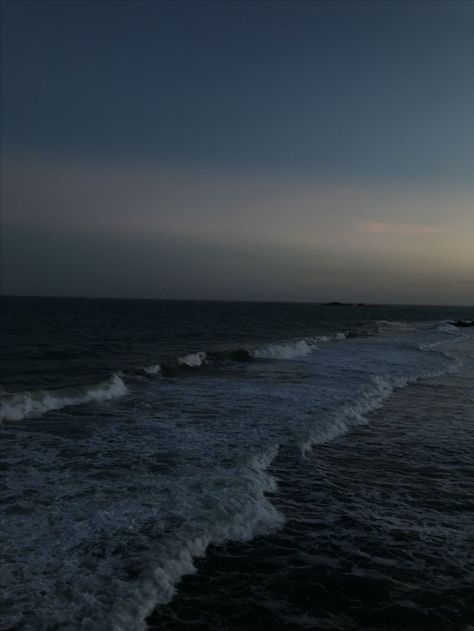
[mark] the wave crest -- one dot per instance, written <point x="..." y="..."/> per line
<point x="14" y="407"/>
<point x="290" y="350"/>
<point x="152" y="370"/>
<point x="193" y="360"/>
<point x="238" y="517"/>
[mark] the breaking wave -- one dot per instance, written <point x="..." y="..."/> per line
<point x="341" y="420"/>
<point x="14" y="407"/>
<point x="239" y="516"/>
<point x="296" y="348"/>
<point x="193" y="360"/>
<point x="395" y="326"/>
<point x="291" y="350"/>
<point x="278" y="350"/>
<point x="152" y="370"/>
<point x="447" y="327"/>
<point x="210" y="507"/>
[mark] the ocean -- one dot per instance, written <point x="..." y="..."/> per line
<point x="230" y="465"/>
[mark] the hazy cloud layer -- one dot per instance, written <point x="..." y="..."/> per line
<point x="118" y="229"/>
<point x="398" y="229"/>
<point x="284" y="150"/>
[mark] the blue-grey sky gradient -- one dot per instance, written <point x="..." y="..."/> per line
<point x="239" y="150"/>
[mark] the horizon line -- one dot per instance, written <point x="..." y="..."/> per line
<point x="359" y="303"/>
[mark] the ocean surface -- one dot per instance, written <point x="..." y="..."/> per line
<point x="228" y="466"/>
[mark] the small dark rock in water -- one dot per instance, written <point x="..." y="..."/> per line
<point x="462" y="323"/>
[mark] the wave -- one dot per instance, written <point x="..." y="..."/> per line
<point x="254" y="514"/>
<point x="18" y="405"/>
<point x="228" y="502"/>
<point x="239" y="517"/>
<point x="447" y="327"/>
<point x="192" y="360"/>
<point x="342" y="420"/>
<point x="290" y="350"/>
<point x="296" y="348"/>
<point x="395" y="326"/>
<point x="278" y="350"/>
<point x="152" y="370"/>
<point x="14" y="407"/>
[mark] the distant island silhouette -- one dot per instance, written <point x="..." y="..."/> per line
<point x="335" y="303"/>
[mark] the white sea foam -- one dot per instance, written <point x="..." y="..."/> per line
<point x="294" y="349"/>
<point x="342" y="420"/>
<point x="446" y="327"/>
<point x="279" y="350"/>
<point x="234" y="519"/>
<point x="193" y="360"/>
<point x="290" y="350"/>
<point x="153" y="369"/>
<point x="395" y="326"/>
<point x="447" y="348"/>
<point x="16" y="406"/>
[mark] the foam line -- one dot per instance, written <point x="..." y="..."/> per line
<point x="14" y="407"/>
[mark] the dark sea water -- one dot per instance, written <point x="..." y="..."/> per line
<point x="204" y="465"/>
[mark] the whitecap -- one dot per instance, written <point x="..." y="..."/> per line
<point x="14" y="407"/>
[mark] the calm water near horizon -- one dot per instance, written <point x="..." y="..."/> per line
<point x="313" y="463"/>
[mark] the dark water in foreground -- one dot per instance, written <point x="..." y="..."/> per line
<point x="314" y="463"/>
<point x="379" y="531"/>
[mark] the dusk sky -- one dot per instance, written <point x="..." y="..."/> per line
<point x="305" y="151"/>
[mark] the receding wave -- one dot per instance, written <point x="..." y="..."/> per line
<point x="16" y="406"/>
<point x="341" y="420"/>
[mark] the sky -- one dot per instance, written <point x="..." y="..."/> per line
<point x="294" y="151"/>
